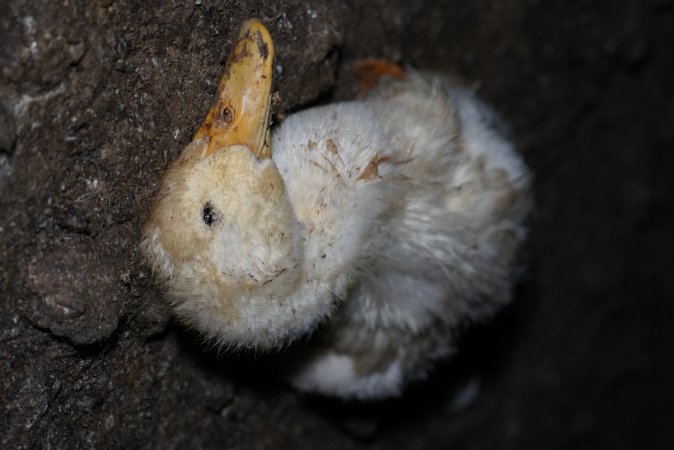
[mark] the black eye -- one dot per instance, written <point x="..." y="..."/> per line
<point x="208" y="214"/>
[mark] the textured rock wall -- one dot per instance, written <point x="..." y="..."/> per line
<point x="96" y="99"/>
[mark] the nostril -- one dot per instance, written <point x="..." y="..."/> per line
<point x="227" y="115"/>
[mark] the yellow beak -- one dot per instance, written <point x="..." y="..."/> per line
<point x="240" y="115"/>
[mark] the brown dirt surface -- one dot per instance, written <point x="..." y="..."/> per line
<point x="98" y="97"/>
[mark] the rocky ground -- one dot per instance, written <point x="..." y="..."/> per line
<point x="98" y="97"/>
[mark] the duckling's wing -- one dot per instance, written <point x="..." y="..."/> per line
<point x="442" y="252"/>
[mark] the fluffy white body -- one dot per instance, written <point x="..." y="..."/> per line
<point x="385" y="223"/>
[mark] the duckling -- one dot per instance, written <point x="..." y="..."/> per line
<point x="381" y="225"/>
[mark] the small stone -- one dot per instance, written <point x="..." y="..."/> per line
<point x="76" y="52"/>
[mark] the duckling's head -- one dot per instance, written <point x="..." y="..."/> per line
<point x="222" y="234"/>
